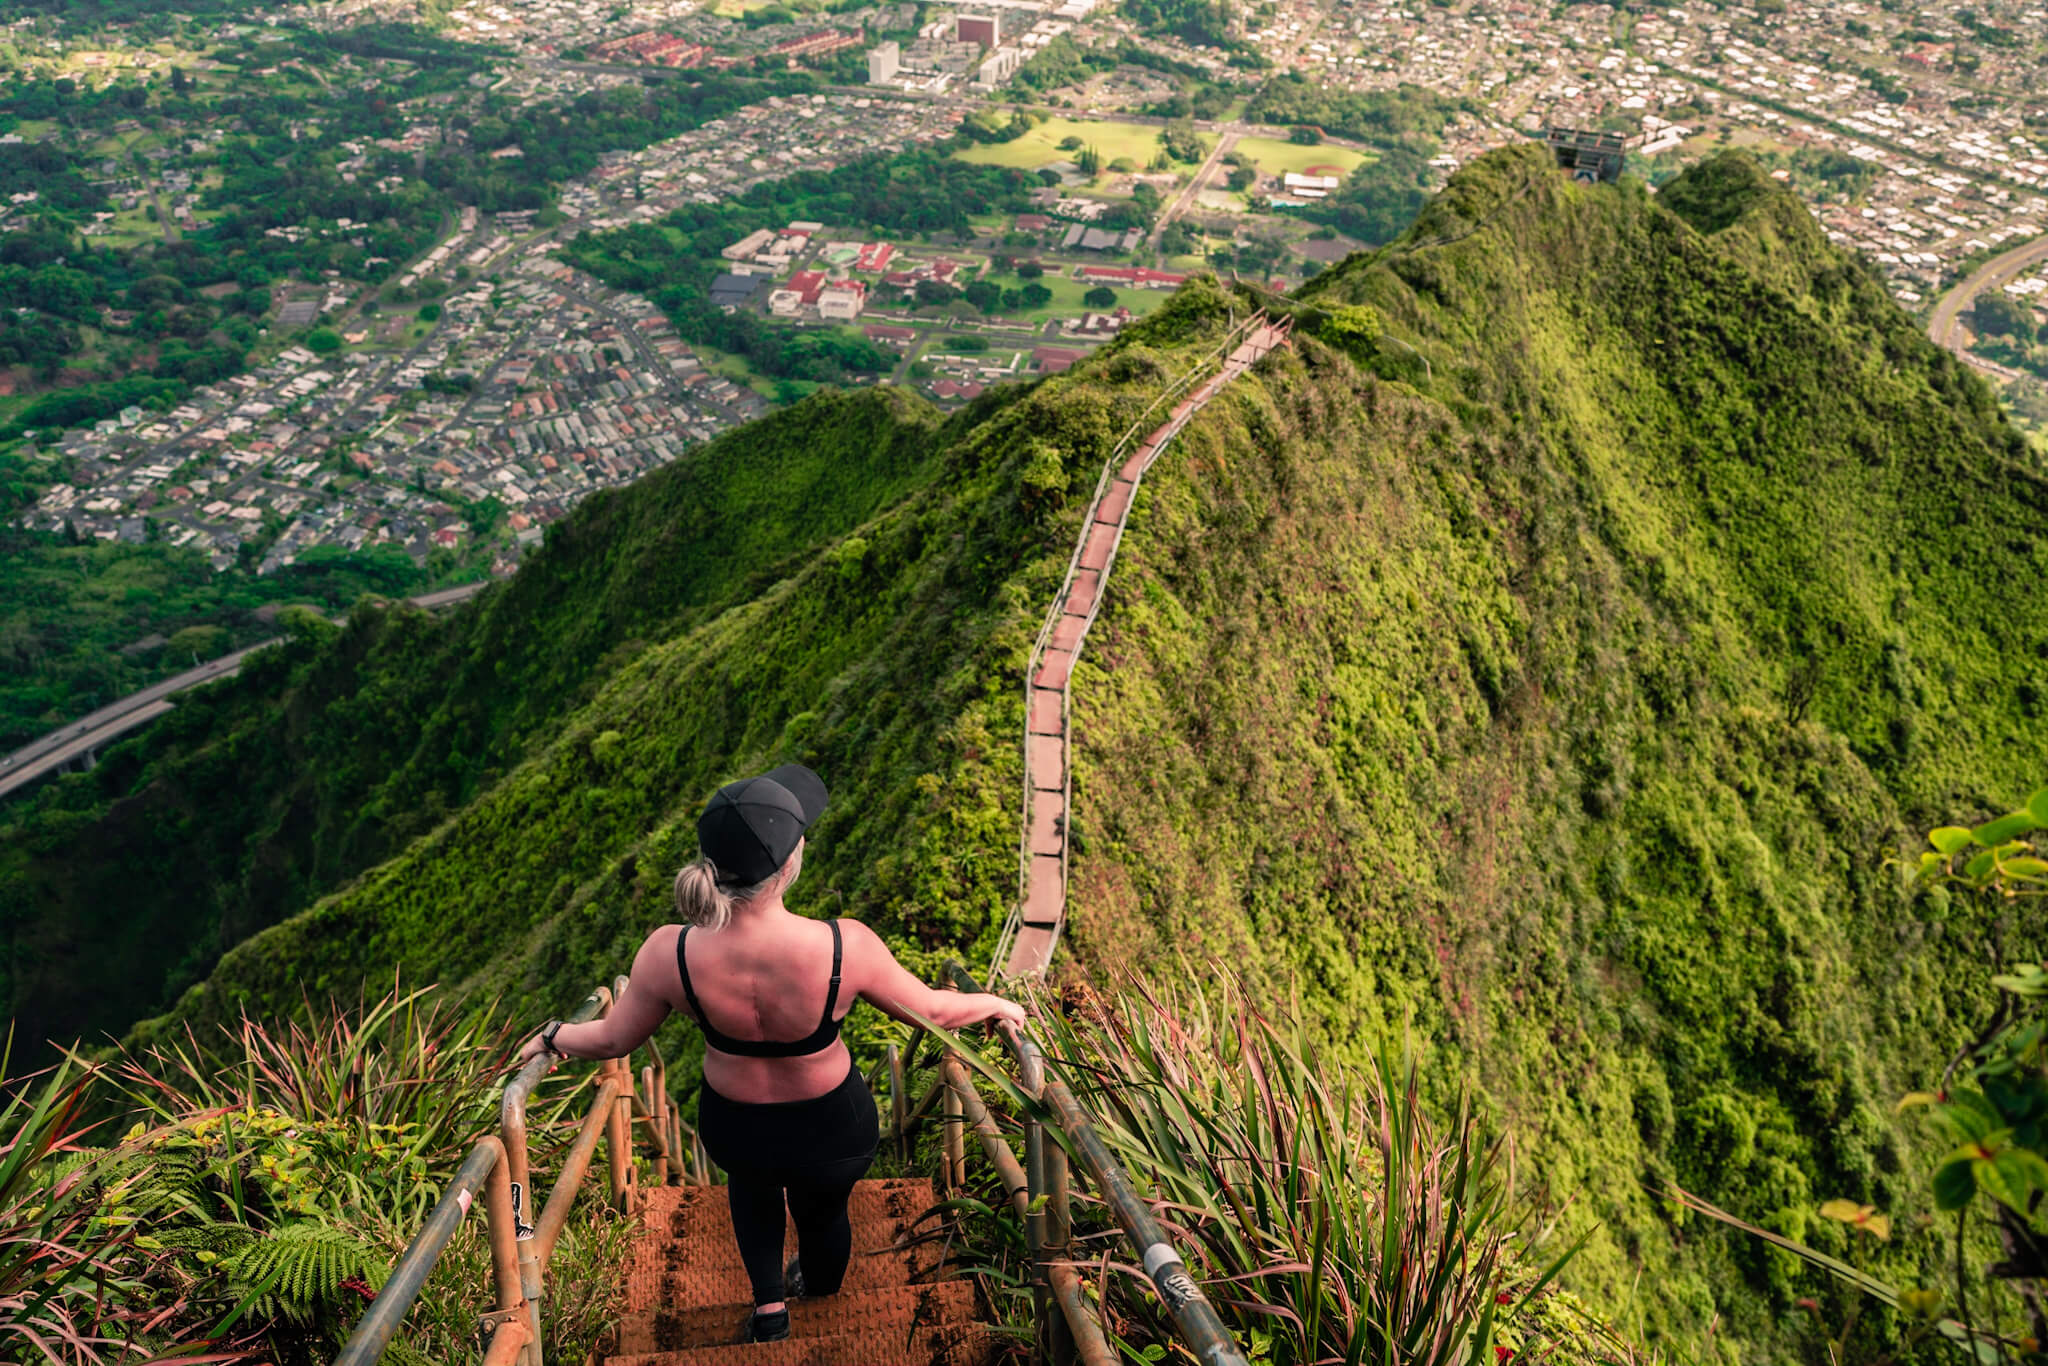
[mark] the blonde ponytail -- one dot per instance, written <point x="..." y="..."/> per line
<point x="699" y="900"/>
<point x="707" y="904"/>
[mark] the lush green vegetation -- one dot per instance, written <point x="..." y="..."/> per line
<point x="1381" y="197"/>
<point x="1375" y="116"/>
<point x="1530" y="660"/>
<point x="242" y="1197"/>
<point x="236" y="813"/>
<point x="1334" y="1218"/>
<point x="82" y="625"/>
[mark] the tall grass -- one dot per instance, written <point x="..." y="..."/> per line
<point x="1327" y="1213"/>
<point x="245" y="1196"/>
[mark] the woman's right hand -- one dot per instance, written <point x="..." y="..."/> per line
<point x="1002" y="1012"/>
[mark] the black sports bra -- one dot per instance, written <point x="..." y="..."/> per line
<point x="817" y="1040"/>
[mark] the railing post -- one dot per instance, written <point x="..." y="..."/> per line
<point x="1059" y="1228"/>
<point x="657" y="1123"/>
<point x="953" y="1166"/>
<point x="899" y="1105"/>
<point x="618" y="1137"/>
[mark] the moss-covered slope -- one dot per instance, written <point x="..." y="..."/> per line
<point x="1549" y="679"/>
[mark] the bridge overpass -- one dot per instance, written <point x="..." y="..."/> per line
<point x="77" y="745"/>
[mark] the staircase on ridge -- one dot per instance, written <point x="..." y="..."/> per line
<point x="687" y="1294"/>
<point x="1040" y="915"/>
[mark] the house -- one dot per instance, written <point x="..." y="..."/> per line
<point x="785" y="303"/>
<point x="1032" y="222"/>
<point x="950" y="389"/>
<point x="1050" y="360"/>
<point x="874" y="256"/>
<point x="890" y="336"/>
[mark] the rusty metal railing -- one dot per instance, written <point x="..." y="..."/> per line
<point x="498" y="1165"/>
<point x="1069" y="1328"/>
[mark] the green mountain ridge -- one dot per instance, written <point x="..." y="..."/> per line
<point x="1548" y="681"/>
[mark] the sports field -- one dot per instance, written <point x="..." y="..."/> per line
<point x="1041" y="146"/>
<point x="1274" y="156"/>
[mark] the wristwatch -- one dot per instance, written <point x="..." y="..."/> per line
<point x="547" y="1038"/>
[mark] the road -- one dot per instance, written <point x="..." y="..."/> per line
<point x="88" y="733"/>
<point x="1944" y="323"/>
<point x="1186" y="196"/>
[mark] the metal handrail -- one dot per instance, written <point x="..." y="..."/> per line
<point x="1037" y="1190"/>
<point x="498" y="1165"/>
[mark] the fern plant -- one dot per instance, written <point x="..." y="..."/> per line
<point x="302" y="1271"/>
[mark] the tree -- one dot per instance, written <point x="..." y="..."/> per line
<point x="1029" y="270"/>
<point x="985" y="295"/>
<point x="1088" y="161"/>
<point x="324" y="341"/>
<point x="1994" y="313"/>
<point x="1102" y="296"/>
<point x="933" y="292"/>
<point x="1243" y="178"/>
<point x="1035" y="295"/>
<point x="1305" y="135"/>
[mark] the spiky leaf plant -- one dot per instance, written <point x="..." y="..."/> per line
<point x="1328" y="1214"/>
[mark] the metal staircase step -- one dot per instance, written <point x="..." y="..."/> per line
<point x="957" y="1344"/>
<point x="686" y="1255"/>
<point x="883" y="1314"/>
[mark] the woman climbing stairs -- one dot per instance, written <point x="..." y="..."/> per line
<point x="687" y="1294"/>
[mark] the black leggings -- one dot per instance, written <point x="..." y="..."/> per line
<point x="812" y="1151"/>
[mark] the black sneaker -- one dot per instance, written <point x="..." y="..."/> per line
<point x="760" y="1327"/>
<point x="793" y="1280"/>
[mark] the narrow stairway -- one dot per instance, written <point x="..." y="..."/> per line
<point x="687" y="1293"/>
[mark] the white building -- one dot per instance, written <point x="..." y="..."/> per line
<point x="842" y="300"/>
<point x="747" y="246"/>
<point x="997" y="68"/>
<point x="785" y="303"/>
<point x="884" y="60"/>
<point x="1309" y="186"/>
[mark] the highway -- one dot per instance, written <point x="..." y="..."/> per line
<point x="89" y="733"/>
<point x="2002" y="269"/>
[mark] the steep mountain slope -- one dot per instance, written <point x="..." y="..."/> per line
<point x="1568" y="715"/>
<point x="328" y="756"/>
<point x="1548" y="678"/>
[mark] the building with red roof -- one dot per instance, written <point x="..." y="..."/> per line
<point x="807" y="284"/>
<point x="1050" y="360"/>
<point x="1130" y="277"/>
<point x="874" y="256"/>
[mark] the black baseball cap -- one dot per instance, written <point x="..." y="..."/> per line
<point x="751" y="827"/>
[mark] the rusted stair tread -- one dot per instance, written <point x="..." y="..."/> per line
<point x="881" y="1314"/>
<point x="945" y="1345"/>
<point x="650" y="1288"/>
<point x="680" y="1212"/>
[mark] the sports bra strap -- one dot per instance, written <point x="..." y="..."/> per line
<point x="832" y="995"/>
<point x="683" y="967"/>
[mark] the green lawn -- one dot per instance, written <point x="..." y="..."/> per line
<point x="1273" y="156"/>
<point x="1041" y="146"/>
<point x="1066" y="297"/>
